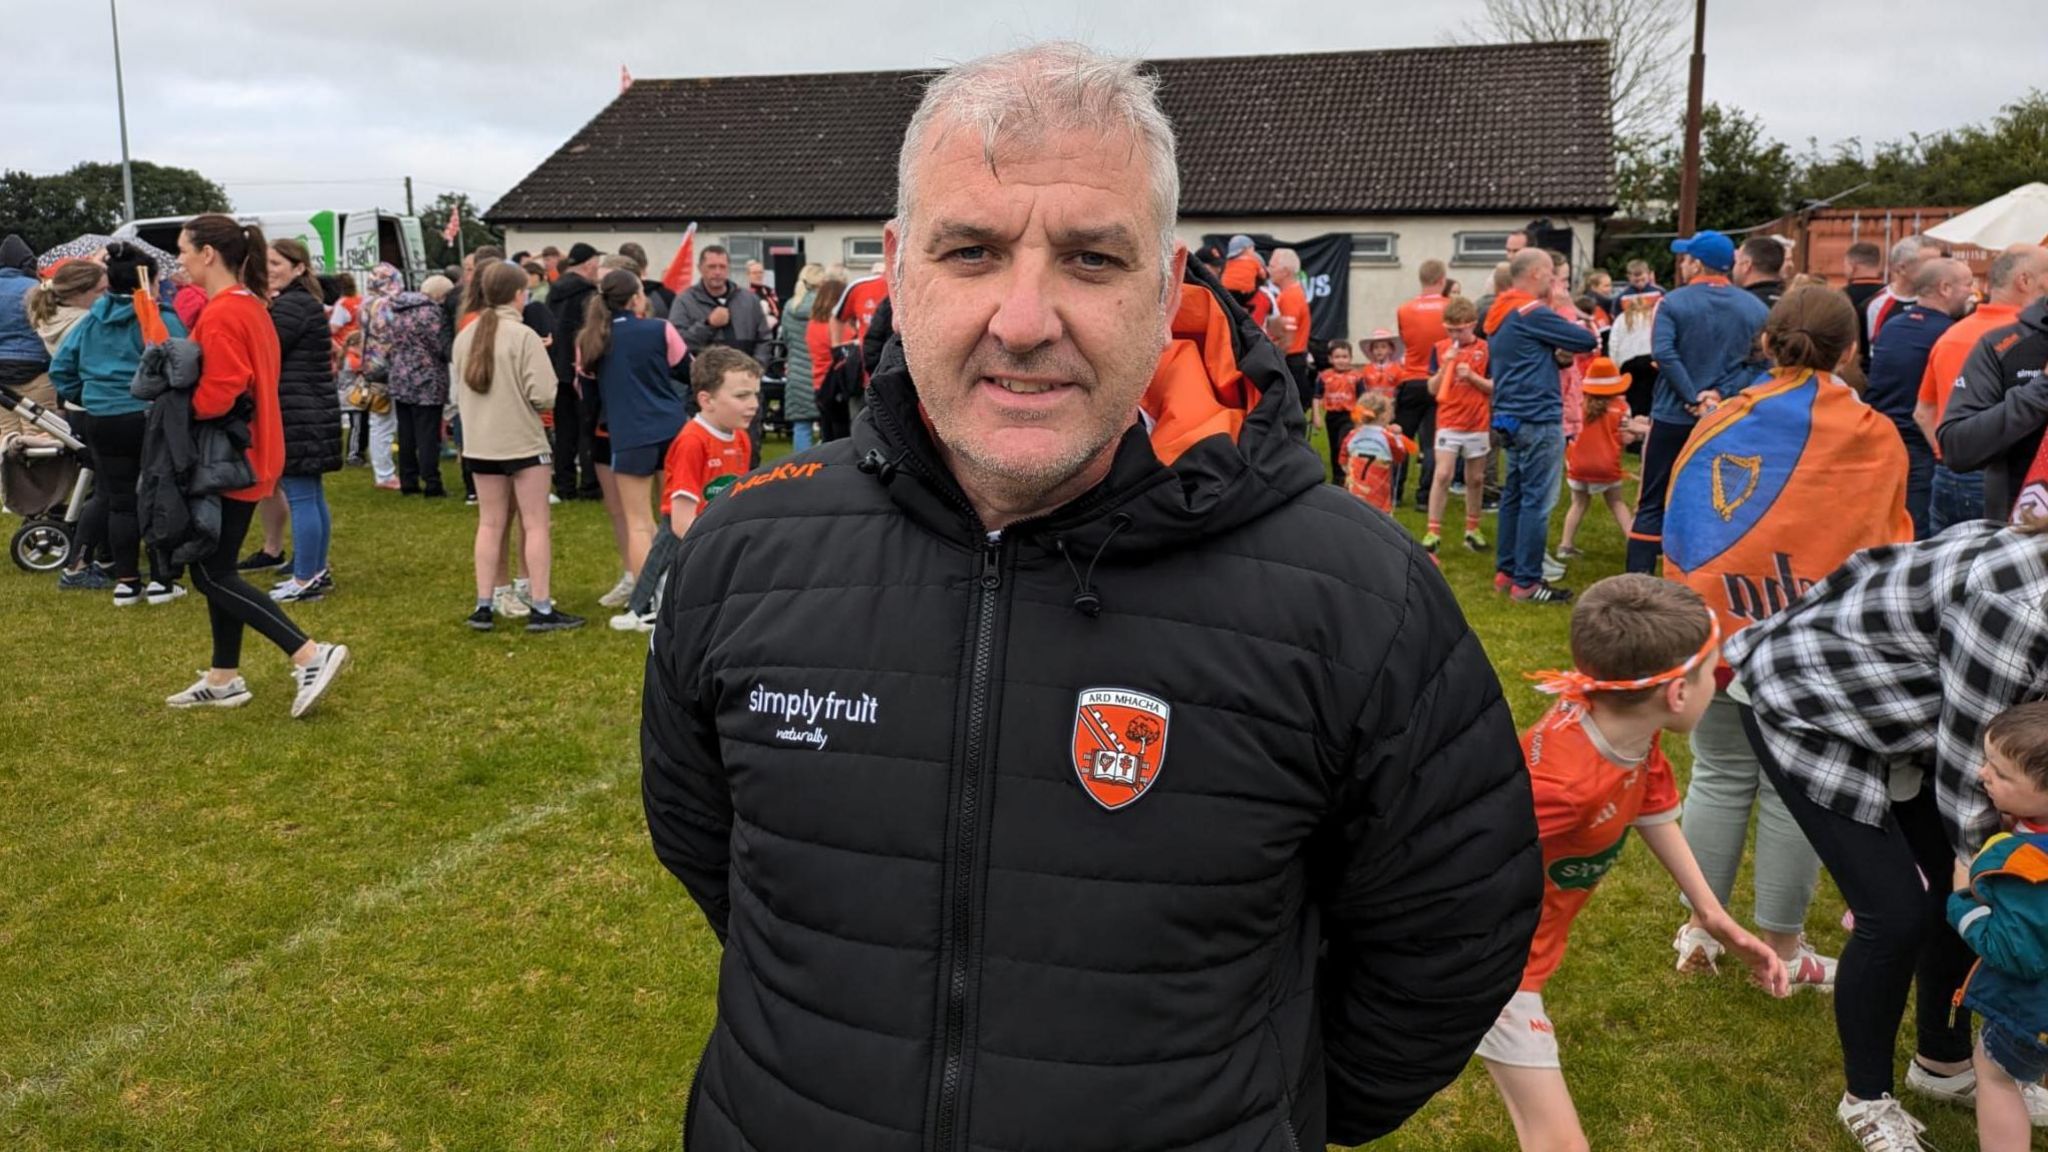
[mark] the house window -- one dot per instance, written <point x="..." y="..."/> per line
<point x="1375" y="248"/>
<point x="1480" y="248"/>
<point x="862" y="251"/>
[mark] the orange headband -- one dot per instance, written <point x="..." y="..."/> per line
<point x="1576" y="687"/>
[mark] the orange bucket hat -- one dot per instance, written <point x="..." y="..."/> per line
<point x="1604" y="379"/>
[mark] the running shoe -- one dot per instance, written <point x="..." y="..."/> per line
<point x="481" y="619"/>
<point x="163" y="591"/>
<point x="232" y="694"/>
<point x="506" y="602"/>
<point x="1477" y="543"/>
<point x="314" y="677"/>
<point x="261" y="561"/>
<point x="1697" y="949"/>
<point x="1881" y="1125"/>
<point x="1541" y="592"/>
<point x="620" y="593"/>
<point x="553" y="620"/>
<point x="632" y="622"/>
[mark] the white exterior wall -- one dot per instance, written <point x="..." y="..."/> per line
<point x="1376" y="288"/>
<point x="824" y="241"/>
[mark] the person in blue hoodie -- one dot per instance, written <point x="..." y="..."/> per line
<point x="24" y="362"/>
<point x="2000" y="909"/>
<point x="1528" y="411"/>
<point x="1705" y="342"/>
<point x="93" y="368"/>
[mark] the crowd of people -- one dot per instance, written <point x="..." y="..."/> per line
<point x="1834" y="592"/>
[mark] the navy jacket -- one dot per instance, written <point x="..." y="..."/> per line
<point x="1520" y="351"/>
<point x="1899" y="359"/>
<point x="1704" y="340"/>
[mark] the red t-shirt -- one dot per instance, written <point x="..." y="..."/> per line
<point x="697" y="459"/>
<point x="1294" y="306"/>
<point x="1952" y="348"/>
<point x="1585" y="804"/>
<point x="1340" y="389"/>
<point x="818" y="338"/>
<point x="1595" y="457"/>
<point x="239" y="354"/>
<point x="857" y="307"/>
<point x="1384" y="379"/>
<point x="1460" y="407"/>
<point x="1421" y="322"/>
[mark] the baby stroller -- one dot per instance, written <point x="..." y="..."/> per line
<point x="44" y="479"/>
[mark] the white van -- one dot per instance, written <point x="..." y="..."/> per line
<point x="352" y="242"/>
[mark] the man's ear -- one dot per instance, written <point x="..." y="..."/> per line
<point x="892" y="248"/>
<point x="1169" y="294"/>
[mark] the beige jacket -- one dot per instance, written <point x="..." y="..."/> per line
<point x="504" y="423"/>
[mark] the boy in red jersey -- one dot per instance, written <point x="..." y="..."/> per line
<point x="703" y="461"/>
<point x="1336" y="392"/>
<point x="1644" y="652"/>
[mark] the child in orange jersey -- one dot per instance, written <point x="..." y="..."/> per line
<point x="1461" y="384"/>
<point x="1381" y="371"/>
<point x="1592" y="463"/>
<point x="1644" y="652"/>
<point x="1336" y="391"/>
<point x="1374" y="452"/>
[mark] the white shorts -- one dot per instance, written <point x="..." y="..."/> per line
<point x="1591" y="488"/>
<point x="1522" y="1037"/>
<point x="1465" y="445"/>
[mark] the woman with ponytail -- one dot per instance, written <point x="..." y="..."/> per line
<point x="640" y="412"/>
<point x="503" y="382"/>
<point x="312" y="416"/>
<point x="239" y="366"/>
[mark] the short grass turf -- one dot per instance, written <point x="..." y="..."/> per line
<point x="427" y="917"/>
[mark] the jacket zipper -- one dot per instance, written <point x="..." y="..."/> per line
<point x="990" y="581"/>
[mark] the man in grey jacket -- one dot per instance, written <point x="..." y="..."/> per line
<point x="715" y="311"/>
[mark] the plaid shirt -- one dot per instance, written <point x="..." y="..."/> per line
<point x="1899" y="659"/>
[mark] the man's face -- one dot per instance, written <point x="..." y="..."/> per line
<point x="1537" y="281"/>
<point x="1029" y="301"/>
<point x="1516" y="242"/>
<point x="1743" y="268"/>
<point x="716" y="268"/>
<point x="1954" y="292"/>
<point x="755" y="272"/>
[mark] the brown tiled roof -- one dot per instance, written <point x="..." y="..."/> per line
<point x="1484" y="128"/>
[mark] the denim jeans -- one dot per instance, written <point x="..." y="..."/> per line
<point x="312" y="526"/>
<point x="1660" y="451"/>
<point x="1535" y="471"/>
<point x="800" y="435"/>
<point x="1958" y="498"/>
<point x="1919" y="480"/>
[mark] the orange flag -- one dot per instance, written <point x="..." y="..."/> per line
<point x="147" y="316"/>
<point x="680" y="269"/>
<point x="1756" y="514"/>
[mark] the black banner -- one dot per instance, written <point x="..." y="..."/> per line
<point x="1325" y="277"/>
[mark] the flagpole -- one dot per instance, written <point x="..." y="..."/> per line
<point x="121" y="103"/>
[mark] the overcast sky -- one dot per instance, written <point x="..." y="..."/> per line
<point x="323" y="105"/>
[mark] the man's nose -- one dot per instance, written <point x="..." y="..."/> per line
<point x="1026" y="317"/>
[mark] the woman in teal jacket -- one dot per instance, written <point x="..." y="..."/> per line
<point x="92" y="369"/>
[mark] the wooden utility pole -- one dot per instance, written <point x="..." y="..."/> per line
<point x="1689" y="175"/>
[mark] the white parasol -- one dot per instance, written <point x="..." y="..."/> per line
<point x="2018" y="217"/>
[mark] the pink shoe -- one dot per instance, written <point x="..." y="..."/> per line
<point x="388" y="485"/>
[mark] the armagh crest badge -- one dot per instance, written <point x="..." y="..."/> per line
<point x="1119" y="743"/>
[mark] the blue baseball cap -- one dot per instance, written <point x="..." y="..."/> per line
<point x="1709" y="248"/>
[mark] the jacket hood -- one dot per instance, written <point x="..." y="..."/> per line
<point x="16" y="254"/>
<point x="2035" y="315"/>
<point x="60" y="321"/>
<point x="407" y="301"/>
<point x="1225" y="442"/>
<point x="112" y="308"/>
<point x="1503" y="304"/>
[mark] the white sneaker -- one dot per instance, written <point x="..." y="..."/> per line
<point x="554" y="499"/>
<point x="506" y="602"/>
<point x="1960" y="1088"/>
<point x="633" y="622"/>
<point x="1553" y="568"/>
<point x="232" y="694"/>
<point x="620" y="593"/>
<point x="1810" y="969"/>
<point x="1881" y="1125"/>
<point x="2036" y="1097"/>
<point x="160" y="592"/>
<point x="317" y="674"/>
<point x="523" y="588"/>
<point x="1697" y="950"/>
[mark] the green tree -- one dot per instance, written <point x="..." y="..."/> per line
<point x="475" y="232"/>
<point x="1968" y="165"/>
<point x="1746" y="178"/>
<point x="48" y="210"/>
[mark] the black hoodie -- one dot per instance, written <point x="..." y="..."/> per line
<point x="16" y="254"/>
<point x="1999" y="408"/>
<point x="1188" y="816"/>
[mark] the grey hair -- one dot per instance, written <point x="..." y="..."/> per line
<point x="1907" y="250"/>
<point x="2011" y="262"/>
<point x="1932" y="273"/>
<point x="1056" y="86"/>
<point x="1286" y="258"/>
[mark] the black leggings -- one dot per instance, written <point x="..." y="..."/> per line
<point x="117" y="459"/>
<point x="231" y="604"/>
<point x="1902" y="931"/>
<point x="419" y="448"/>
<point x="91" y="541"/>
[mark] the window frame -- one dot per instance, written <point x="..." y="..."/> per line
<point x="1360" y="240"/>
<point x="1463" y="256"/>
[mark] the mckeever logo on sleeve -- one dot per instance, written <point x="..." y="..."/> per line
<point x="804" y="714"/>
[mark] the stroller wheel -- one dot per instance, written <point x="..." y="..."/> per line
<point x="41" y="545"/>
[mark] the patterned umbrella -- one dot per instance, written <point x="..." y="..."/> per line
<point x="89" y="245"/>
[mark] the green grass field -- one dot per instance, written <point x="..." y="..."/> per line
<point x="428" y="917"/>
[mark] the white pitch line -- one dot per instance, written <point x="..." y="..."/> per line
<point x="452" y="859"/>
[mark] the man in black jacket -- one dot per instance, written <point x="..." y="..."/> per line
<point x="1760" y="269"/>
<point x="1060" y="761"/>
<point x="567" y="299"/>
<point x="1998" y="411"/>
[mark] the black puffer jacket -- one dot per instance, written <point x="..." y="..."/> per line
<point x="305" y="384"/>
<point x="1999" y="407"/>
<point x="1187" y="817"/>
